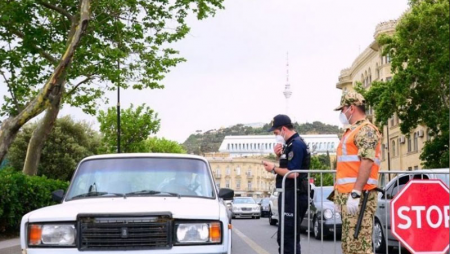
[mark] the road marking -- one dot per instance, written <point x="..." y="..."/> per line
<point x="250" y="242"/>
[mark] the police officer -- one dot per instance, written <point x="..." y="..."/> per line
<point x="358" y="161"/>
<point x="293" y="154"/>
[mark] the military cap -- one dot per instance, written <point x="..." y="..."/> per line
<point x="351" y="98"/>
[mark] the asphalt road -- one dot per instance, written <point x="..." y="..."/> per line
<point x="252" y="236"/>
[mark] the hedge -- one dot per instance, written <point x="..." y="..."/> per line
<point x="20" y="194"/>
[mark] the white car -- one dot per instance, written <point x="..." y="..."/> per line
<point x="134" y="203"/>
<point x="245" y="207"/>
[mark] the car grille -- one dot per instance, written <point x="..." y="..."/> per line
<point x="246" y="209"/>
<point x="99" y="232"/>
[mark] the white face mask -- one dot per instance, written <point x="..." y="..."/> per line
<point x="280" y="139"/>
<point x="344" y="119"/>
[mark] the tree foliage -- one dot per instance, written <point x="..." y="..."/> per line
<point x="66" y="146"/>
<point x="419" y="90"/>
<point x="162" y="145"/>
<point x="321" y="162"/>
<point x="125" y="44"/>
<point x="136" y="126"/>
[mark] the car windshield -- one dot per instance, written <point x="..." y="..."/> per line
<point x="265" y="201"/>
<point x="322" y="194"/>
<point x="244" y="201"/>
<point x="141" y="177"/>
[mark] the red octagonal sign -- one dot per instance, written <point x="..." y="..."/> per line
<point x="420" y="216"/>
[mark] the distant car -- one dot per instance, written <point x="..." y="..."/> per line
<point x="323" y="220"/>
<point x="265" y="207"/>
<point x="382" y="225"/>
<point x="245" y="207"/>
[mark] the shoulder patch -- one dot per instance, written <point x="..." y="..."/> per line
<point x="290" y="155"/>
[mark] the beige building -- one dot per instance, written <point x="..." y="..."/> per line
<point x="399" y="151"/>
<point x="246" y="176"/>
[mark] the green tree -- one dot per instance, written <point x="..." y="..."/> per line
<point x="419" y="90"/>
<point x="66" y="146"/>
<point x="326" y="179"/>
<point x="51" y="55"/>
<point x="162" y="145"/>
<point x="136" y="125"/>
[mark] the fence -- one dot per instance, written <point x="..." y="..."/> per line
<point x="391" y="182"/>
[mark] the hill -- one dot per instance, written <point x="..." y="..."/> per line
<point x="210" y="141"/>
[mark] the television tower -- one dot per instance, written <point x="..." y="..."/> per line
<point x="287" y="87"/>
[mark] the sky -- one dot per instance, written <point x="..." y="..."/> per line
<point x="236" y="64"/>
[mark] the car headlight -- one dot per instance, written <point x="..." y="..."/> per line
<point x="198" y="233"/>
<point x="256" y="208"/>
<point x="327" y="214"/>
<point x="235" y="209"/>
<point x="337" y="215"/>
<point x="51" y="235"/>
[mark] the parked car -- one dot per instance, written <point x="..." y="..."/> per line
<point x="245" y="207"/>
<point x="382" y="225"/>
<point x="273" y="205"/>
<point x="134" y="203"/>
<point x="320" y="218"/>
<point x="265" y="207"/>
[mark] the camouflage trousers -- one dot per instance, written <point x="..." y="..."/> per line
<point x="362" y="245"/>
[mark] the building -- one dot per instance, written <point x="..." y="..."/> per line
<point x="262" y="145"/>
<point x="246" y="176"/>
<point x="399" y="151"/>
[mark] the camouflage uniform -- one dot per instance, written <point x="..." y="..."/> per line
<point x="366" y="140"/>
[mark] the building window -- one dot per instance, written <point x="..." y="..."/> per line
<point x="249" y="185"/>
<point x="388" y="58"/>
<point x="416" y="167"/>
<point x="392" y="121"/>
<point x="377" y="71"/>
<point x="238" y="184"/>
<point x="238" y="171"/>
<point x="383" y="148"/>
<point x="429" y="133"/>
<point x="393" y="148"/>
<point x="227" y="184"/>
<point x="409" y="143"/>
<point x="228" y="172"/>
<point x="409" y="168"/>
<point x="388" y="78"/>
<point x="416" y="142"/>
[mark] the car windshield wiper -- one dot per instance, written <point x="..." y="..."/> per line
<point x="97" y="194"/>
<point x="151" y="192"/>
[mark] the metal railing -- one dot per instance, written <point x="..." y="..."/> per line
<point x="386" y="179"/>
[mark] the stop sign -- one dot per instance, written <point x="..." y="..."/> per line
<point x="420" y="216"/>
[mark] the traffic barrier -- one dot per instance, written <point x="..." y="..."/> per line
<point x="433" y="216"/>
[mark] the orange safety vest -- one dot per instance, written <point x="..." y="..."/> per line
<point x="348" y="163"/>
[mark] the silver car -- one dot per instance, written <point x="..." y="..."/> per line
<point x="382" y="224"/>
<point x="245" y="207"/>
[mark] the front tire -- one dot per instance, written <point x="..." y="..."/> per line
<point x="378" y="240"/>
<point x="317" y="229"/>
<point x="271" y="221"/>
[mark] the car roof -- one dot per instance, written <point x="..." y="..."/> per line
<point x="145" y="155"/>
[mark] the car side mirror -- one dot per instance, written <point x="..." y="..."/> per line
<point x="58" y="196"/>
<point x="226" y="194"/>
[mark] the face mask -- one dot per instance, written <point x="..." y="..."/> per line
<point x="344" y="119"/>
<point x="280" y="139"/>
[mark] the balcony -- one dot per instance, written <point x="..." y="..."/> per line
<point x="217" y="175"/>
<point x="249" y="175"/>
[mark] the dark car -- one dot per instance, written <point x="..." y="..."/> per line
<point x="265" y="207"/>
<point x="383" y="239"/>
<point x="321" y="219"/>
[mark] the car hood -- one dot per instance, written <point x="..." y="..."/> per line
<point x="245" y="205"/>
<point x="324" y="205"/>
<point x="181" y="208"/>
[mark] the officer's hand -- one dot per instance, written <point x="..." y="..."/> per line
<point x="268" y="166"/>
<point x="278" y="149"/>
<point x="352" y="205"/>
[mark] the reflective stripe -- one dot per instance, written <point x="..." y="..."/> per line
<point x="348" y="158"/>
<point x="353" y="180"/>
<point x="377" y="161"/>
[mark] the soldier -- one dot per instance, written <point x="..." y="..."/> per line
<point x="293" y="154"/>
<point x="358" y="162"/>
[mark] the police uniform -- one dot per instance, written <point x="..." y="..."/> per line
<point x="295" y="155"/>
<point x="365" y="138"/>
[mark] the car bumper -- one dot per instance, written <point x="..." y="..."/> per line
<point x="211" y="249"/>
<point x="248" y="214"/>
<point x="330" y="228"/>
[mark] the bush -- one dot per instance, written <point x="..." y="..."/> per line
<point x="20" y="194"/>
